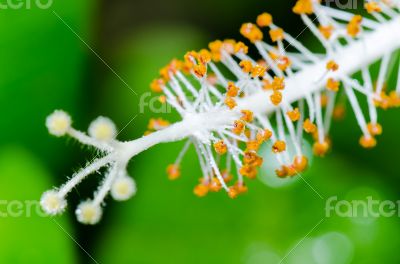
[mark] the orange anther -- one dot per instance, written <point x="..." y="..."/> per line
<point x="240" y="47"/>
<point x="233" y="192"/>
<point x="372" y="7"/>
<point x="264" y="20"/>
<point x="332" y="85"/>
<point x="354" y="26"/>
<point x="332" y="66"/>
<point x="374" y="129"/>
<point x="339" y="112"/>
<point x="278" y="83"/>
<point x="276" y="34"/>
<point x="200" y="70"/>
<point x="247" y="116"/>
<point x="248" y="171"/>
<point x="326" y="31"/>
<point x="258" y="71"/>
<point x="309" y="127"/>
<point x="173" y="172"/>
<point x="282" y="172"/>
<point x="294" y="115"/>
<point x="253" y="145"/>
<point x="279" y="146"/>
<point x="215" y="185"/>
<point x="251" y="32"/>
<point x="367" y="142"/>
<point x="201" y="190"/>
<point x="230" y="102"/>
<point x="238" y="127"/>
<point x="157" y="85"/>
<point x="276" y="97"/>
<point x="220" y="147"/>
<point x="246" y="65"/>
<point x="252" y="159"/>
<point x="303" y="7"/>
<point x="300" y="163"/>
<point x="320" y="149"/>
<point x="232" y="89"/>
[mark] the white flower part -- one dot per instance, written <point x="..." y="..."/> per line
<point x="58" y="123"/>
<point x="102" y="128"/>
<point x="88" y="213"/>
<point x="123" y="188"/>
<point x="53" y="203"/>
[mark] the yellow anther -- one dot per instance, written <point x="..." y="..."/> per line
<point x="220" y="147"/>
<point x="251" y="32"/>
<point x="228" y="45"/>
<point x="215" y="48"/>
<point x="294" y="115"/>
<point x="276" y="97"/>
<point x="332" y="66"/>
<point x="339" y="112"/>
<point x="248" y="171"/>
<point x="300" y="163"/>
<point x="326" y="31"/>
<point x="258" y="71"/>
<point x="367" y="142"/>
<point x="173" y="172"/>
<point x="253" y="145"/>
<point x="354" y="26"/>
<point x="157" y="124"/>
<point x="215" y="185"/>
<point x="233" y="193"/>
<point x="246" y="65"/>
<point x="284" y="63"/>
<point x="320" y="149"/>
<point x="238" y="127"/>
<point x="252" y="159"/>
<point x="230" y="102"/>
<point x="303" y="7"/>
<point x="373" y="7"/>
<point x="278" y="83"/>
<point x="247" y="116"/>
<point x="201" y="190"/>
<point x="240" y="47"/>
<point x="276" y="34"/>
<point x="264" y="20"/>
<point x="204" y="56"/>
<point x="232" y="89"/>
<point x="309" y="127"/>
<point x="264" y="135"/>
<point x="279" y="146"/>
<point x="226" y="176"/>
<point x="332" y="85"/>
<point x="282" y="172"/>
<point x="200" y="70"/>
<point x="241" y="187"/>
<point x="157" y="85"/>
<point x="374" y="129"/>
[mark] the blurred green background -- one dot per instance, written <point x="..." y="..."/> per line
<point x="55" y="59"/>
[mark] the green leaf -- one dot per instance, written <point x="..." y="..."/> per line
<point x="28" y="236"/>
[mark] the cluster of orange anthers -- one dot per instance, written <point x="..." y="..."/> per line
<point x="269" y="74"/>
